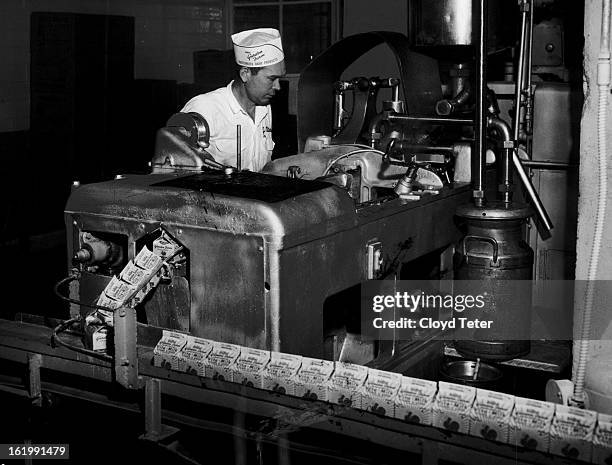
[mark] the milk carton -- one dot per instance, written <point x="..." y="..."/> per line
<point x="415" y="399"/>
<point x="344" y="385"/>
<point x="192" y="357"/>
<point x="452" y="407"/>
<point x="571" y="432"/>
<point x="166" y="351"/>
<point x="379" y="391"/>
<point x="490" y="415"/>
<point x="220" y="360"/>
<point x="164" y="247"/>
<point x="279" y="375"/>
<point x="602" y="440"/>
<point x="311" y="381"/>
<point x="249" y="367"/>
<point x="147" y="260"/>
<point x="530" y="424"/>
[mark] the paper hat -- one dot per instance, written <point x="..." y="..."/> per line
<point x="256" y="48"/>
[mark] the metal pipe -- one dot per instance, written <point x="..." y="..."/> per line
<point x="502" y="128"/>
<point x="428" y="148"/>
<point x="531" y="192"/>
<point x="238" y="147"/>
<point x="518" y="91"/>
<point x="529" y="106"/>
<point x="447" y="107"/>
<point x="478" y="161"/>
<point x="548" y="165"/>
<point x="431" y="119"/>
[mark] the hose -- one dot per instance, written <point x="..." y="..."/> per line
<point x="581" y="352"/>
<point x="74" y="275"/>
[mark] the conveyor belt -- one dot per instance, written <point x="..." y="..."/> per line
<point x="289" y="414"/>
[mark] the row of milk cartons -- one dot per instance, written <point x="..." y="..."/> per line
<point x="531" y="424"/>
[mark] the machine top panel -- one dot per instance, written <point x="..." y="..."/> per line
<point x="245" y="184"/>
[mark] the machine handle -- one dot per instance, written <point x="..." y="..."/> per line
<point x="490" y="240"/>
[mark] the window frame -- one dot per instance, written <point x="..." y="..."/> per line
<point x="335" y="8"/>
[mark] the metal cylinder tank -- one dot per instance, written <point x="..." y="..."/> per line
<point x="449" y="23"/>
<point x="494" y="253"/>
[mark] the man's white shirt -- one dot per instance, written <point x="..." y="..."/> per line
<point x="223" y="114"/>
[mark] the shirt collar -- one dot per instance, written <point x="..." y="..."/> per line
<point x="260" y="111"/>
<point x="233" y="102"/>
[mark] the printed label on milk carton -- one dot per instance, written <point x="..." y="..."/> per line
<point x="490" y="415"/>
<point x="249" y="366"/>
<point x="147" y="260"/>
<point x="311" y="380"/>
<point x="133" y="274"/>
<point x="530" y="424"/>
<point x="452" y="407"/>
<point x="192" y="357"/>
<point x="414" y="400"/>
<point x="571" y="432"/>
<point x="97" y="337"/>
<point x="105" y="301"/>
<point x="119" y="290"/>
<point x="164" y="247"/>
<point x="279" y="375"/>
<point x="166" y="351"/>
<point x="379" y="391"/>
<point x="344" y="386"/>
<point x="220" y="360"/>
<point x="602" y="440"/>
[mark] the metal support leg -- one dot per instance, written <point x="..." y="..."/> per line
<point x="153" y="426"/>
<point x="34" y="389"/>
<point x="154" y="429"/>
<point x="283" y="450"/>
<point x="240" y="444"/>
<point x="430" y="453"/>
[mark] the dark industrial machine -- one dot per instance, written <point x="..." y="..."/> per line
<point x="406" y="176"/>
<point x="374" y="188"/>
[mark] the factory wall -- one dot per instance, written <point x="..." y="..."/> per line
<point x="166" y="35"/>
<point x="589" y="173"/>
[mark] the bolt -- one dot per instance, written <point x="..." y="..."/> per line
<point x="179" y="231"/>
<point x="125" y="362"/>
<point x="121" y="312"/>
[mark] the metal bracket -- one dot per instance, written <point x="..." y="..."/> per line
<point x="374" y="259"/>
<point x="126" y="355"/>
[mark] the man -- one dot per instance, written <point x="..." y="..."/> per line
<point x="245" y="101"/>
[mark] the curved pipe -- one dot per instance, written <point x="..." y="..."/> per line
<point x="447" y="107"/>
<point x="504" y="130"/>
